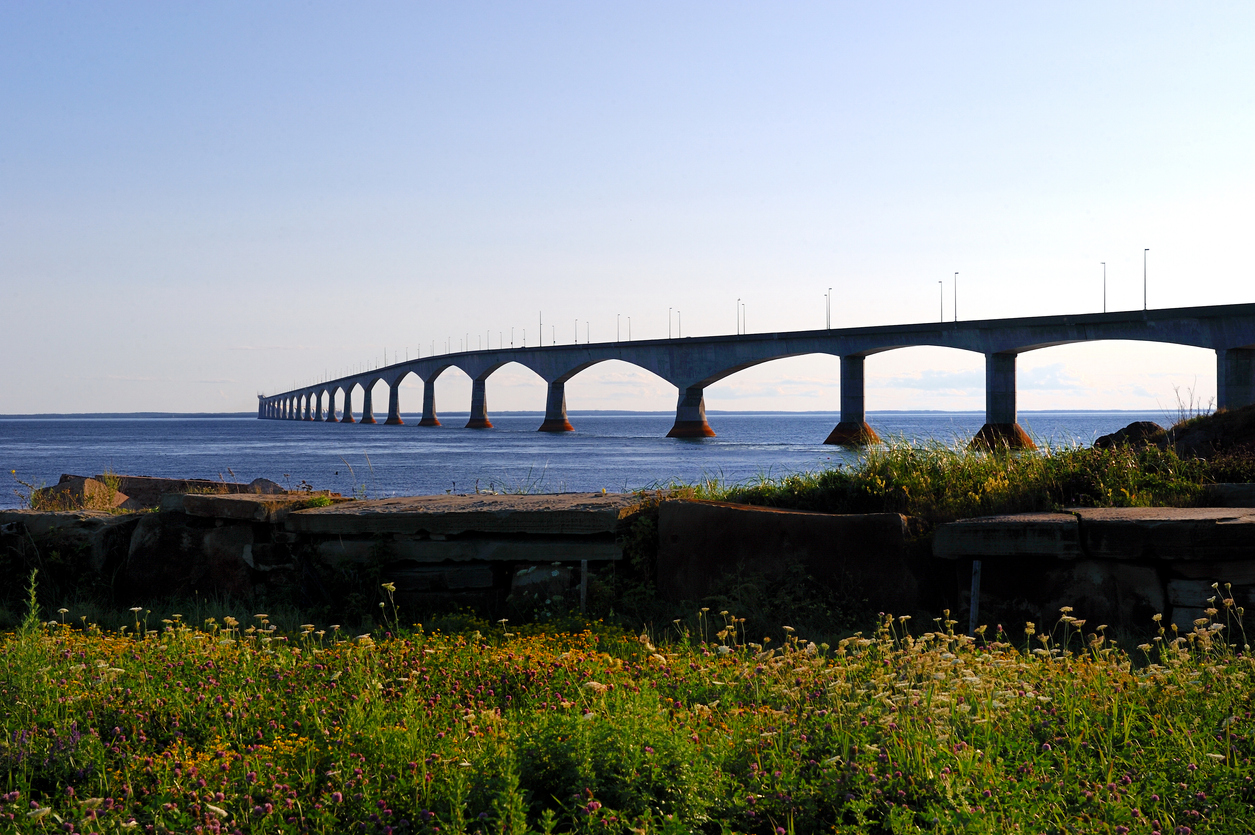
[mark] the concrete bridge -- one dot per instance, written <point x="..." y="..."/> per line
<point x="693" y="363"/>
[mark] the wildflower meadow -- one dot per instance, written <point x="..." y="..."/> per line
<point x="234" y="726"/>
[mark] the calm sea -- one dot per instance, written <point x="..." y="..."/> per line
<point x="615" y="451"/>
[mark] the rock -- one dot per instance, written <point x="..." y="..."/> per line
<point x="77" y="493"/>
<point x="265" y="486"/>
<point x="1138" y="433"/>
<point x="1227" y="431"/>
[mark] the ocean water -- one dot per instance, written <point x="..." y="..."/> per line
<point x="615" y="451"/>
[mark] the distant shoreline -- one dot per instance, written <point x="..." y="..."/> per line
<point x="573" y="413"/>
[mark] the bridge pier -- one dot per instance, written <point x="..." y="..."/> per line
<point x="318" y="405"/>
<point x="555" y="410"/>
<point x="1235" y="377"/>
<point x="690" y="416"/>
<point x="429" y="404"/>
<point x="347" y="415"/>
<point x="368" y="407"/>
<point x="331" y="407"/>
<point x="479" y="406"/>
<point x="309" y="407"/>
<point x="1001" y="429"/>
<point x="852" y="430"/>
<point x="394" y="405"/>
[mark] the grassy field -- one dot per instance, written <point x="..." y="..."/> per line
<point x="237" y="727"/>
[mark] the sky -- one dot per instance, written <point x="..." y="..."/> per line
<point x="203" y="202"/>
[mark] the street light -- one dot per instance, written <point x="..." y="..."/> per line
<point x="1104" y="286"/>
<point x="738" y="317"/>
<point x="669" y="322"/>
<point x="941" y="296"/>
<point x="1144" y="251"/>
<point x="679" y="331"/>
<point x="956" y="297"/>
<point x="828" y="309"/>
<point x="616" y="326"/>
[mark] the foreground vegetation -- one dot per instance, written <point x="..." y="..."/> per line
<point x="228" y="727"/>
<point x="940" y="483"/>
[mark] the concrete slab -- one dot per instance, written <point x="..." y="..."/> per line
<point x="1022" y="535"/>
<point x="242" y="506"/>
<point x="468" y="550"/>
<point x="562" y="514"/>
<point x="1167" y="533"/>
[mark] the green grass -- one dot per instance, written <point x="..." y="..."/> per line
<point x="939" y="482"/>
<point x="239" y="727"/>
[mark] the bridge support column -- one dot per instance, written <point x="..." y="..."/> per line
<point x="853" y="429"/>
<point x="1001" y="429"/>
<point x="555" y="410"/>
<point x="331" y="407"/>
<point x="1235" y="377"/>
<point x="309" y="407"/>
<point x="347" y="414"/>
<point x="690" y="416"/>
<point x="394" y="405"/>
<point x="318" y="405"/>
<point x="479" y="406"/>
<point x="368" y="406"/>
<point x="429" y="404"/>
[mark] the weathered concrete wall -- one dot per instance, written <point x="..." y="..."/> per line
<point x="1118" y="566"/>
<point x="879" y="555"/>
<point x="434" y="549"/>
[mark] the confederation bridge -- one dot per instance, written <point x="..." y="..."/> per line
<point x="693" y="363"/>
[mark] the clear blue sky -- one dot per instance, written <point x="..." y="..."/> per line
<point x="199" y="202"/>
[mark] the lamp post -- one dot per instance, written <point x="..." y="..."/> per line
<point x="1144" y="251"/>
<point x="828" y="309"/>
<point x="941" y="301"/>
<point x="679" y="331"/>
<point x="669" y="323"/>
<point x="1104" y="286"/>
<point x="629" y="329"/>
<point x="616" y="326"/>
<point x="738" y="317"/>
<point x="956" y="297"/>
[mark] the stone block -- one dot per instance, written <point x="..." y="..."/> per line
<point x="701" y="541"/>
<point x="271" y="508"/>
<point x="1055" y="535"/>
<point x="563" y="514"/>
<point x="78" y="493"/>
